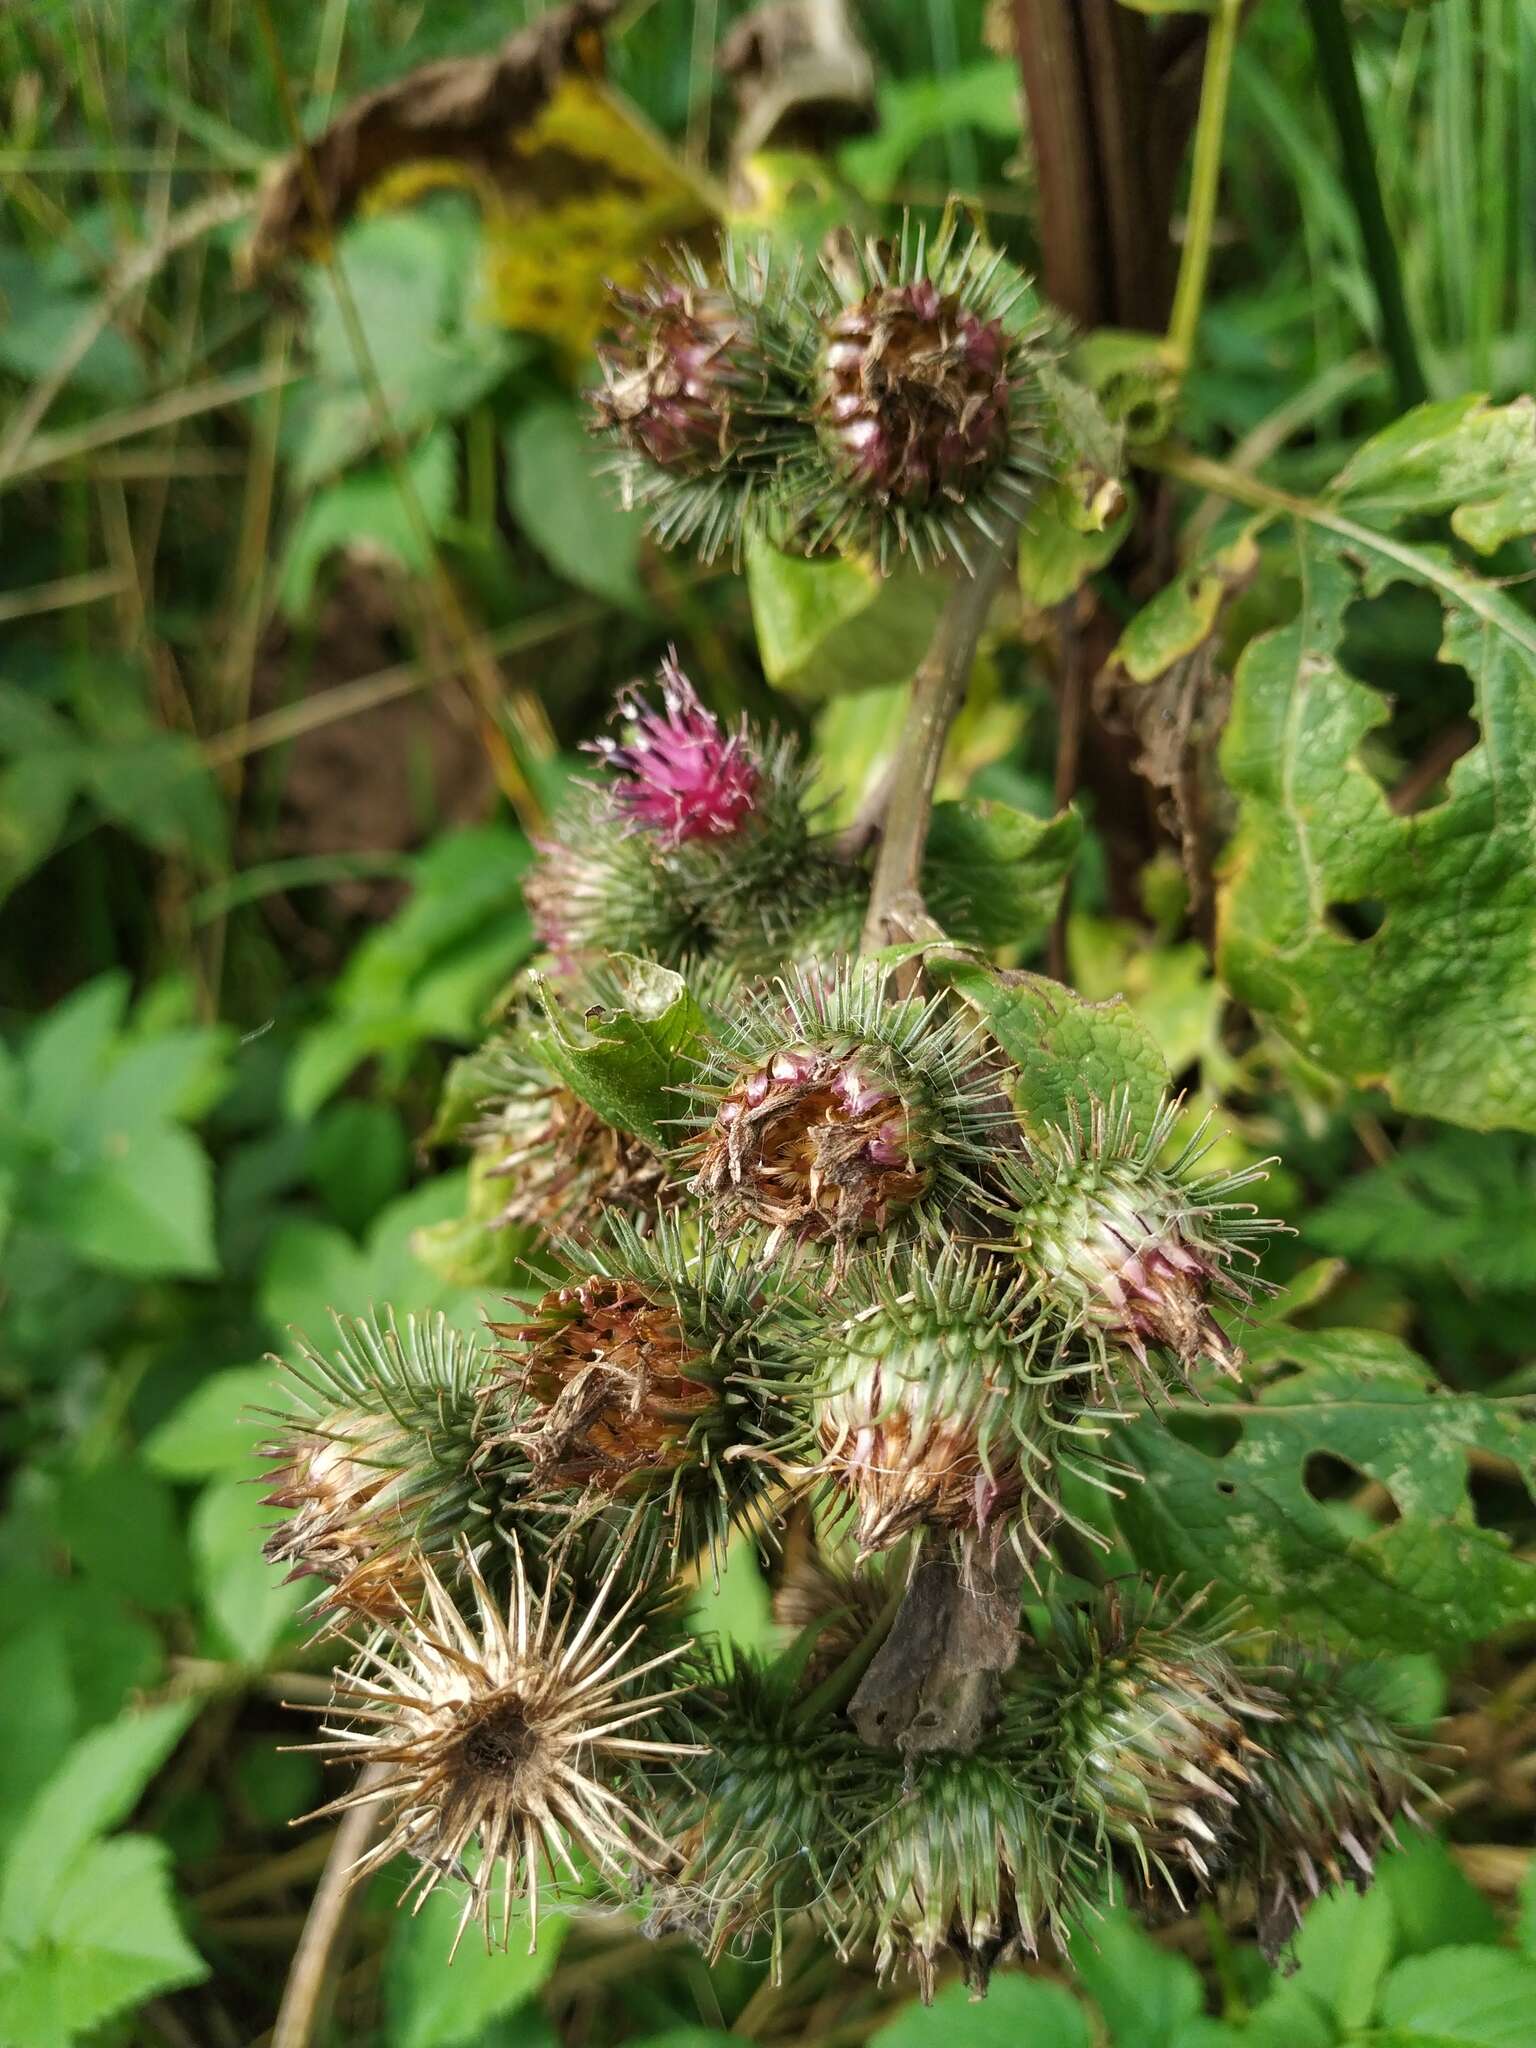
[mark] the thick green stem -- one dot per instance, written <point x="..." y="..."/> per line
<point x="1204" y="182"/>
<point x="1341" y="88"/>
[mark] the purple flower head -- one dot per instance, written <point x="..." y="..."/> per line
<point x="681" y="776"/>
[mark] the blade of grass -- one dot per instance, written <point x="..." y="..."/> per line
<point x="1341" y="88"/>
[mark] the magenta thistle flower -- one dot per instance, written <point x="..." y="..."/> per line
<point x="682" y="776"/>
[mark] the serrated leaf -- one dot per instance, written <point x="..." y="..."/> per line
<point x="431" y="2005"/>
<point x="1147" y="1995"/>
<point x="1246" y="1522"/>
<point x="1017" y="2010"/>
<point x="110" y="1940"/>
<point x="833" y="624"/>
<point x="1070" y="1054"/>
<point x="1475" y="1997"/>
<point x="628" y="1063"/>
<point x="96" y="1786"/>
<point x="1453" y="1204"/>
<point x="993" y="875"/>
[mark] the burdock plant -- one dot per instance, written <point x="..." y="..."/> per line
<point x="821" y="1217"/>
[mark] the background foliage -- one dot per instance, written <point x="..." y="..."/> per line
<point x="261" y="882"/>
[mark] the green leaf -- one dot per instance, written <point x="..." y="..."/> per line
<point x="1018" y="2012"/>
<point x="1070" y="1054"/>
<point x="246" y="1599"/>
<point x="1473" y="1997"/>
<point x="628" y="1063"/>
<point x="1396" y="951"/>
<point x="993" y="875"/>
<point x="1342" y="1951"/>
<point x="1146" y="1994"/>
<point x="215" y="1429"/>
<point x="359" y="1158"/>
<point x="1454" y="1205"/>
<point x="1527" y="1922"/>
<point x="432" y="970"/>
<point x="1183" y="615"/>
<point x="833" y="624"/>
<point x="1433" y="1901"/>
<point x="411" y="277"/>
<point x="1246" y="1522"/>
<point x="120" y="1524"/>
<point x="97" y="1785"/>
<point x="1058" y="553"/>
<point x="366" y="512"/>
<point x="433" y="2005"/>
<point x="569" y="510"/>
<point x="110" y="1940"/>
<point x="913" y="111"/>
<point x="139" y="1202"/>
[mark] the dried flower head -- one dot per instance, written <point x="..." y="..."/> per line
<point x="936" y="1403"/>
<point x="502" y="1738"/>
<point x="562" y="1166"/>
<point x="1336" y="1773"/>
<point x="1156" y="1728"/>
<point x="826" y="1112"/>
<point x="929" y="400"/>
<point x="374" y="1459"/>
<point x="703" y="392"/>
<point x="640" y="1378"/>
<point x="1129" y="1251"/>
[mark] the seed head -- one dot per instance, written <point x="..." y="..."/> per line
<point x="704" y="393"/>
<point x="914" y="401"/>
<point x="683" y="375"/>
<point x="934" y="1404"/>
<point x="1129" y="1251"/>
<point x="1157" y="1730"/>
<point x="512" y="1729"/>
<point x="374" y="1459"/>
<point x="973" y="1858"/>
<point x="1335" y="1775"/>
<point x="761" y="1820"/>
<point x="642" y="1378"/>
<point x="828" y="1114"/>
<point x="561" y="1166"/>
<point x="929" y="402"/>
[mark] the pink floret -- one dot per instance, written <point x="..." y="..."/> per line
<point x="681" y="776"/>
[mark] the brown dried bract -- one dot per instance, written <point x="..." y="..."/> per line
<point x="464" y="108"/>
<point x="609" y="1366"/>
<point x="812" y="1146"/>
<point x="567" y="1165"/>
<point x="333" y="1477"/>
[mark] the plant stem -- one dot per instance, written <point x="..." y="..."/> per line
<point x="1204" y="182"/>
<point x="1341" y="89"/>
<point x="310" y="1971"/>
<point x="938" y="690"/>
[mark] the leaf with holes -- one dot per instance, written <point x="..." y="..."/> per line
<point x="1395" y="950"/>
<point x="1245" y="1519"/>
